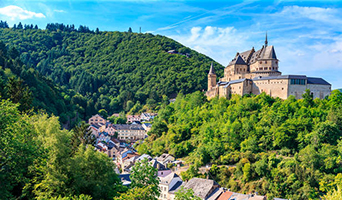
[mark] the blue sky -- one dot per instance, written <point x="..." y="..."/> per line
<point x="307" y="35"/>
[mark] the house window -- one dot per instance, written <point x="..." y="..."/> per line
<point x="265" y="62"/>
<point x="260" y="62"/>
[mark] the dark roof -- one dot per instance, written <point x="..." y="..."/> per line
<point x="212" y="70"/>
<point x="125" y="177"/>
<point x="268" y="53"/>
<point x="175" y="186"/>
<point x="280" y="77"/>
<point x="318" y="81"/>
<point x="128" y="127"/>
<point x="238" y="60"/>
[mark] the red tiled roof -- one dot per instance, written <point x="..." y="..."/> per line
<point x="225" y="196"/>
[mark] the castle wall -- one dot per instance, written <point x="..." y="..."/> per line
<point x="274" y="87"/>
<point x="319" y="91"/>
<point x="264" y="65"/>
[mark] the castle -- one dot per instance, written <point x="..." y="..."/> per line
<point x="254" y="72"/>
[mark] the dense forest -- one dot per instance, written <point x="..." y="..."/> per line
<point x="25" y="85"/>
<point x="280" y="148"/>
<point x="114" y="71"/>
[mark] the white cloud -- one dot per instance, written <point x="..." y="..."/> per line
<point x="15" y="12"/>
<point x="218" y="43"/>
<point x="327" y="15"/>
<point x="60" y="11"/>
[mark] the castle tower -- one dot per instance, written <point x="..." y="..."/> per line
<point x="211" y="77"/>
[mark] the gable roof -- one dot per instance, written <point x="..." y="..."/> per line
<point x="167" y="179"/>
<point x="200" y="186"/>
<point x="268" y="53"/>
<point x="238" y="60"/>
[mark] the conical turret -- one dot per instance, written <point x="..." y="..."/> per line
<point x="211" y="77"/>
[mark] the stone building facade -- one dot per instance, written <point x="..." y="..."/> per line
<point x="254" y="72"/>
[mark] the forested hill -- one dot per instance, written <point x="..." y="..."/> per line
<point x="110" y="70"/>
<point x="23" y="84"/>
<point x="279" y="148"/>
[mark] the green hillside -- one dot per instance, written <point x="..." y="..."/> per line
<point x="110" y="70"/>
<point x="279" y="148"/>
<point x="23" y="84"/>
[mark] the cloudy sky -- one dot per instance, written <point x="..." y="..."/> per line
<point x="307" y="35"/>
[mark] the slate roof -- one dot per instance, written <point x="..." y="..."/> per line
<point x="201" y="187"/>
<point x="251" y="56"/>
<point x="238" y="60"/>
<point x="155" y="163"/>
<point x="310" y="80"/>
<point x="215" y="194"/>
<point x="128" y="127"/>
<point x="212" y="70"/>
<point x="167" y="179"/>
<point x="268" y="53"/>
<point x="318" y="81"/>
<point x="280" y="77"/>
<point x="175" y="187"/>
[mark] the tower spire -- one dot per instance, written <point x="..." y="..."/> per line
<point x="266" y="42"/>
<point x="211" y="71"/>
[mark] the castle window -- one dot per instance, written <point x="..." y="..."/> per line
<point x="269" y="68"/>
<point x="260" y="62"/>
<point x="265" y="68"/>
<point x="265" y="62"/>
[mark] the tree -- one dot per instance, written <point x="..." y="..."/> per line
<point x="144" y="175"/>
<point x="130" y="30"/>
<point x="137" y="194"/>
<point x="103" y="113"/>
<point x="19" y="93"/>
<point x="82" y="134"/>
<point x="335" y="194"/>
<point x="185" y="194"/>
<point x="18" y="151"/>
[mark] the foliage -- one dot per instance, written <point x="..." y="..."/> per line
<point x="136" y="193"/>
<point x="109" y="70"/>
<point x="82" y="134"/>
<point x="36" y="161"/>
<point x="280" y="148"/>
<point x="185" y="194"/>
<point x="335" y="194"/>
<point x="22" y="84"/>
<point x="17" y="150"/>
<point x="144" y="175"/>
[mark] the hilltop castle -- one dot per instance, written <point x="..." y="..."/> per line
<point x="254" y="72"/>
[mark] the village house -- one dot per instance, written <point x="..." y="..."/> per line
<point x="162" y="169"/>
<point x="97" y="119"/>
<point x="133" y="118"/>
<point x="201" y="187"/>
<point x="165" y="158"/>
<point x="148" y="116"/>
<point x="95" y="129"/>
<point x="168" y="184"/>
<point x="147" y="126"/>
<point x="130" y="132"/>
